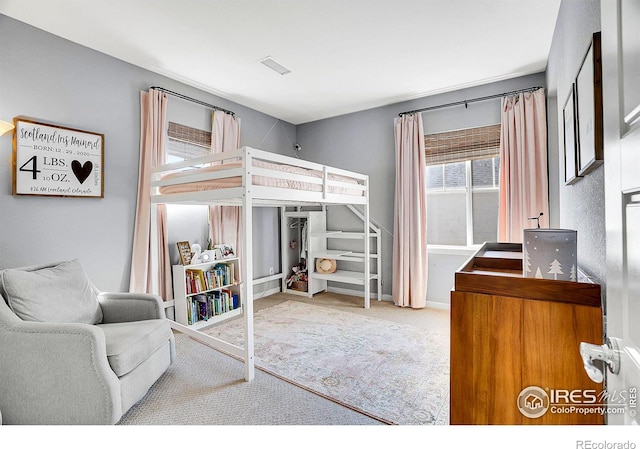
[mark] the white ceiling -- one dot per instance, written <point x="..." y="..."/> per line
<point x="344" y="55"/>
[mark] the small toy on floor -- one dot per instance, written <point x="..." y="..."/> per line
<point x="299" y="274"/>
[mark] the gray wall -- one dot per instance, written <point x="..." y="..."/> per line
<point x="364" y="142"/>
<point x="56" y="81"/>
<point x="582" y="204"/>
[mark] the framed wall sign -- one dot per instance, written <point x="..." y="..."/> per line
<point x="184" y="250"/>
<point x="569" y="128"/>
<point x="589" y="109"/>
<point x="52" y="160"/>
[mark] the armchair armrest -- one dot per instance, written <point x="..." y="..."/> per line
<point x="56" y="373"/>
<point x="123" y="307"/>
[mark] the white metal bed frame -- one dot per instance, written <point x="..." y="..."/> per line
<point x="247" y="196"/>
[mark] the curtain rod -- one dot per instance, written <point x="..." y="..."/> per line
<point x="193" y="100"/>
<point x="473" y="100"/>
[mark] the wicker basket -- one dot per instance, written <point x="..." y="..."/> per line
<point x="300" y="286"/>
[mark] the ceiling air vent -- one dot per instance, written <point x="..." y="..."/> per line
<point x="273" y="65"/>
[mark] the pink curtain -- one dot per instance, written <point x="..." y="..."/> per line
<point x="225" y="132"/>
<point x="224" y="221"/>
<point x="153" y="112"/>
<point x="523" y="165"/>
<point x="410" y="215"/>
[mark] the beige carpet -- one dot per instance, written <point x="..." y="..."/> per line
<point x="397" y="373"/>
<point x="206" y="387"/>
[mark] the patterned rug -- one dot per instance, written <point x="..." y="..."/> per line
<point x="395" y="373"/>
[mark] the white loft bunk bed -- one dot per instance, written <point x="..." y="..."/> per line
<point x="249" y="177"/>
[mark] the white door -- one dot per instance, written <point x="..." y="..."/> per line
<point x="621" y="100"/>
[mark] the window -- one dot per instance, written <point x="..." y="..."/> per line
<point x="462" y="186"/>
<point x="185" y="142"/>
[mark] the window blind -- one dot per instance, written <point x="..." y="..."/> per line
<point x="462" y="145"/>
<point x="194" y="136"/>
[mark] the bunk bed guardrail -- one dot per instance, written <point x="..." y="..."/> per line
<point x="273" y="178"/>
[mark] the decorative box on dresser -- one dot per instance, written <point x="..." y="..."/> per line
<point x="510" y="333"/>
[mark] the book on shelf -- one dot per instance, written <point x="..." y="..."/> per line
<point x="203" y="306"/>
<point x="218" y="276"/>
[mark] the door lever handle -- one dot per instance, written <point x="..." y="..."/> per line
<point x="595" y="357"/>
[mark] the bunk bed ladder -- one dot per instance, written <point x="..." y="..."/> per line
<point x="375" y="231"/>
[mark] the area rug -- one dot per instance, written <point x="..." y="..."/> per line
<point x="397" y="374"/>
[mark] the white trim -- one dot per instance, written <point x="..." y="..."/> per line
<point x="360" y="293"/>
<point x="438" y="305"/>
<point x="632" y="116"/>
<point x="264" y="294"/>
<point x="454" y="190"/>
<point x="453" y="250"/>
<point x="449" y="191"/>
<point x="386" y="297"/>
<point x="469" y="202"/>
<point x="273" y="277"/>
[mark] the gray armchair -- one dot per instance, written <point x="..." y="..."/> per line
<point x="70" y="354"/>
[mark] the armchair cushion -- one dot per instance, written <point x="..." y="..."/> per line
<point x="60" y="293"/>
<point x="130" y="343"/>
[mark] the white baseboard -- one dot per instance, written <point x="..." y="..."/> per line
<point x="438" y="305"/>
<point x="348" y="291"/>
<point x="385" y="297"/>
<point x="264" y="294"/>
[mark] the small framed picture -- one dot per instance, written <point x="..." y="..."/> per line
<point x="588" y="94"/>
<point x="570" y="150"/>
<point x="184" y="249"/>
<point x="226" y="250"/>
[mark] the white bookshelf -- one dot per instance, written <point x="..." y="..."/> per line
<point x="189" y="287"/>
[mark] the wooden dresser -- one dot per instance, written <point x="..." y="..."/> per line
<point x="515" y="341"/>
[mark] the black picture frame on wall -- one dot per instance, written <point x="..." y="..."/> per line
<point x="569" y="132"/>
<point x="588" y="96"/>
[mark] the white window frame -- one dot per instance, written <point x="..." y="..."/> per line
<point x="468" y="190"/>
